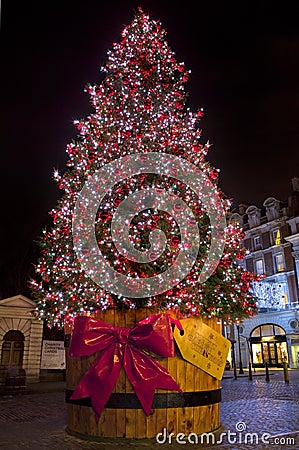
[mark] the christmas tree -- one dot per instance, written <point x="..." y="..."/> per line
<point x="140" y="111"/>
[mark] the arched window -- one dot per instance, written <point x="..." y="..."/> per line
<point x="12" y="349"/>
<point x="268" y="329"/>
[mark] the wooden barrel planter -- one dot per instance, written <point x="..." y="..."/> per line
<point x="196" y="410"/>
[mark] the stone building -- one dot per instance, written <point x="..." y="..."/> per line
<point x="20" y="338"/>
<point x="272" y="243"/>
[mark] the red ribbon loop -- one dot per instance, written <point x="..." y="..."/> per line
<point x="122" y="347"/>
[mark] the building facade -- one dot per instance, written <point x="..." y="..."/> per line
<point x="20" y="338"/>
<point x="27" y="345"/>
<point x="272" y="243"/>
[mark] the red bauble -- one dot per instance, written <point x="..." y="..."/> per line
<point x="117" y="201"/>
<point x="175" y="241"/>
<point x="213" y="174"/>
<point x="179" y="151"/>
<point x="196" y="148"/>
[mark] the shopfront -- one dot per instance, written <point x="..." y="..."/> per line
<point x="268" y="345"/>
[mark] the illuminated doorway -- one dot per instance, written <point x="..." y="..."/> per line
<point x="268" y="345"/>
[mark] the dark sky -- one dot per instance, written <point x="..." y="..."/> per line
<point x="244" y="58"/>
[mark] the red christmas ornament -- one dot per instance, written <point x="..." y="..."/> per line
<point x="196" y="148"/>
<point x="180" y="151"/>
<point x="175" y="241"/>
<point x="213" y="174"/>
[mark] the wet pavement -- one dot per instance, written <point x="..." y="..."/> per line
<point x="268" y="411"/>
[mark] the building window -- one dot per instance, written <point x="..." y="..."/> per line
<point x="259" y="266"/>
<point x="257" y="242"/>
<point x="276" y="237"/>
<point x="279" y="262"/>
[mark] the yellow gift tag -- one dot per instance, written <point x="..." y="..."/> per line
<point x="202" y="346"/>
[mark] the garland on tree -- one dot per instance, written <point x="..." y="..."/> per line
<point x="139" y="107"/>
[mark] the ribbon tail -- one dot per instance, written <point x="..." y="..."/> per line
<point x="146" y="375"/>
<point x="99" y="381"/>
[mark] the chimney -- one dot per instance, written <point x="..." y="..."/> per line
<point x="242" y="208"/>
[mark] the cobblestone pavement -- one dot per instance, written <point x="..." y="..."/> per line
<point x="37" y="420"/>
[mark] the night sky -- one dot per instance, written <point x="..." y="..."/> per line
<point x="244" y="58"/>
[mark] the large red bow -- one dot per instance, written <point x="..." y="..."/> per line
<point x="121" y="347"/>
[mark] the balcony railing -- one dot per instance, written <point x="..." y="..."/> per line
<point x="272" y="308"/>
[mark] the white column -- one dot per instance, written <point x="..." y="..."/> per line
<point x="294" y="239"/>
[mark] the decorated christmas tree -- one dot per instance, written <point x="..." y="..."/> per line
<point x="141" y="118"/>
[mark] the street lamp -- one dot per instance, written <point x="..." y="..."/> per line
<point x="241" y="371"/>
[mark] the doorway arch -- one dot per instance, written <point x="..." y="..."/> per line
<point x="12" y="349"/>
<point x="268" y="345"/>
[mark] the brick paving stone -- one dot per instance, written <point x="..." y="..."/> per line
<point x="37" y="419"/>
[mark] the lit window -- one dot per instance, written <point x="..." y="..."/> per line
<point x="279" y="262"/>
<point x="259" y="266"/>
<point x="276" y="237"/>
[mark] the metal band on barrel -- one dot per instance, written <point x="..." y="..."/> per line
<point x="167" y="400"/>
